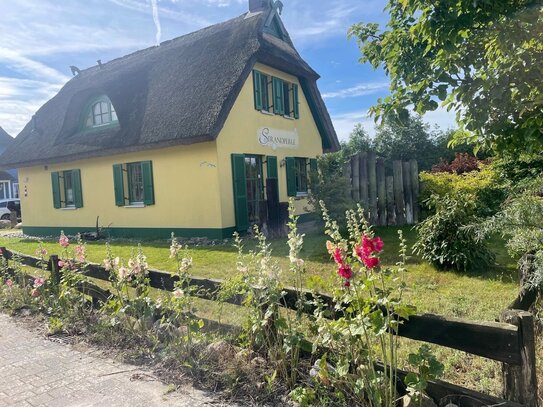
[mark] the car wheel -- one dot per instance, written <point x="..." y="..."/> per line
<point x="5" y="217"/>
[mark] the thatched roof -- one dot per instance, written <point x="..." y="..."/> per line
<point x="5" y="138"/>
<point x="178" y="93"/>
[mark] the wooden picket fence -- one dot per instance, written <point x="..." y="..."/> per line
<point x="511" y="341"/>
<point x="388" y="199"/>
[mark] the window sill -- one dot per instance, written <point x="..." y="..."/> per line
<point x="267" y="113"/>
<point x="134" y="206"/>
<point x="288" y="117"/>
<point x="68" y="208"/>
<point x="302" y="194"/>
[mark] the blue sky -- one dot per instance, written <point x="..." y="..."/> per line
<point x="40" y="39"/>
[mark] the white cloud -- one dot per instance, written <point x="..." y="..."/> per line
<point x="362" y="89"/>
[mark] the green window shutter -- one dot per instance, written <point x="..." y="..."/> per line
<point x="78" y="192"/>
<point x="314" y="176"/>
<point x="148" y="187"/>
<point x="295" y="101"/>
<point x="278" y="107"/>
<point x="257" y="81"/>
<point x="313" y="165"/>
<point x="240" y="192"/>
<point x="272" y="166"/>
<point x="118" y="182"/>
<point x="291" y="176"/>
<point x="55" y="181"/>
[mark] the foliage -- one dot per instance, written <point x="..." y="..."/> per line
<point x="521" y="221"/>
<point x="429" y="368"/>
<point x="482" y="187"/>
<point x="462" y="163"/>
<point x="359" y="141"/>
<point x="411" y="139"/>
<point x="479" y="58"/>
<point x="518" y="168"/>
<point x="369" y="305"/>
<point x="444" y="238"/>
<point x="332" y="185"/>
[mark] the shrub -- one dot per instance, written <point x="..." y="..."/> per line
<point x="332" y="186"/>
<point x="483" y="187"/>
<point x="462" y="163"/>
<point x="444" y="239"/>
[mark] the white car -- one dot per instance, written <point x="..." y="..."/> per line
<point x="5" y="212"/>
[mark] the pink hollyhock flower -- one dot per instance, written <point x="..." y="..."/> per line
<point x="38" y="282"/>
<point x="178" y="293"/>
<point x="61" y="264"/>
<point x="64" y="241"/>
<point x="338" y="256"/>
<point x="35" y="293"/>
<point x="345" y="271"/>
<point x="371" y="262"/>
<point x="9" y="283"/>
<point x="41" y="252"/>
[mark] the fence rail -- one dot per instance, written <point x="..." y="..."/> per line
<point x="388" y="199"/>
<point x="510" y="341"/>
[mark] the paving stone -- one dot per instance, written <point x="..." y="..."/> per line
<point x="35" y="372"/>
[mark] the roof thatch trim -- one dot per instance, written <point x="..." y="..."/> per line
<point x="5" y="138"/>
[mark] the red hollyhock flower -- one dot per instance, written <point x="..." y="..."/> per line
<point x="378" y="244"/>
<point x="345" y="271"/>
<point x="347" y="284"/>
<point x="371" y="262"/>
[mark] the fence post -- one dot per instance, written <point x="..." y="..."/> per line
<point x="364" y="182"/>
<point x="397" y="169"/>
<point x="355" y="172"/>
<point x="391" y="212"/>
<point x="381" y="192"/>
<point x="414" y="166"/>
<point x="520" y="381"/>
<point x="372" y="187"/>
<point x="55" y="273"/>
<point x="408" y="192"/>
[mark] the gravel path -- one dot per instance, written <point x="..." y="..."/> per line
<point x="36" y="372"/>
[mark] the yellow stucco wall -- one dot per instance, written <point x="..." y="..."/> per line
<point x="240" y="135"/>
<point x="193" y="184"/>
<point x="186" y="185"/>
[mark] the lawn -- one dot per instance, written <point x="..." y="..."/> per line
<point x="480" y="295"/>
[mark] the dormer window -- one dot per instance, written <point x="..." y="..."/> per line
<point x="100" y="113"/>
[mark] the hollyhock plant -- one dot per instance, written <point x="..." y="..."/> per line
<point x="63" y="240"/>
<point x="39" y="282"/>
<point x="35" y="293"/>
<point x="9" y="283"/>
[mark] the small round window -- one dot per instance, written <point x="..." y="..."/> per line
<point x="101" y="113"/>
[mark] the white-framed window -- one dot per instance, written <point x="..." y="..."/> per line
<point x="101" y="113"/>
<point x="5" y="190"/>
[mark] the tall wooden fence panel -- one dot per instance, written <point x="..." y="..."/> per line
<point x="388" y="192"/>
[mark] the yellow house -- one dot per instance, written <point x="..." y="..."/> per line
<point x="203" y="135"/>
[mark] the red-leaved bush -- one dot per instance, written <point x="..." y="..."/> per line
<point x="462" y="163"/>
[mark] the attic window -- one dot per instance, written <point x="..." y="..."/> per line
<point x="100" y="113"/>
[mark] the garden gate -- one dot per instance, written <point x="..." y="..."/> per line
<point x="388" y="199"/>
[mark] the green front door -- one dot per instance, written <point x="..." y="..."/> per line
<point x="248" y="190"/>
<point x="255" y="188"/>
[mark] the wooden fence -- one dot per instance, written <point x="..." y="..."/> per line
<point x="388" y="199"/>
<point x="511" y="342"/>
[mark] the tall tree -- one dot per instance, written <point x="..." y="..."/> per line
<point x="482" y="59"/>
<point x="359" y="141"/>
<point x="407" y="140"/>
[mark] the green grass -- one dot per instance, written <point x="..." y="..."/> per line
<point x="480" y="295"/>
